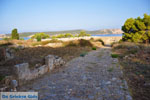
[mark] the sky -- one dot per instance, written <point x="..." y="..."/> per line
<point x="57" y="15"/>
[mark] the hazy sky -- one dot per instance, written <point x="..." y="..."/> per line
<point x="54" y="15"/>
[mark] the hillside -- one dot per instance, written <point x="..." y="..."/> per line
<point x="103" y="31"/>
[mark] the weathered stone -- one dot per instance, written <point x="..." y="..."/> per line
<point x="13" y="85"/>
<point x="9" y="53"/>
<point x="20" y="47"/>
<point x="108" y="82"/>
<point x="53" y="61"/>
<point x="24" y="74"/>
<point x="22" y="70"/>
<point x="49" y="61"/>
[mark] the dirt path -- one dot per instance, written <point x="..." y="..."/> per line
<point x="96" y="76"/>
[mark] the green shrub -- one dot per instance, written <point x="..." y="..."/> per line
<point x="83" y="33"/>
<point x="114" y="55"/>
<point x="110" y="69"/>
<point x="67" y="35"/>
<point x="40" y="36"/>
<point x="93" y="48"/>
<point x="21" y="39"/>
<point x="7" y="39"/>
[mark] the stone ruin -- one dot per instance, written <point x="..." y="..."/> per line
<point x="22" y="72"/>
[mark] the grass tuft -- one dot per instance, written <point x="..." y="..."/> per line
<point x="114" y="55"/>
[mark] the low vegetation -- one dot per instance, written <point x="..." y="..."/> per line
<point x="93" y="48"/>
<point x="114" y="55"/>
<point x="39" y="36"/>
<point x="135" y="61"/>
<point x="68" y="35"/>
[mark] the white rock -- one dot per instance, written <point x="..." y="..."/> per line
<point x="108" y="82"/>
<point x="114" y="78"/>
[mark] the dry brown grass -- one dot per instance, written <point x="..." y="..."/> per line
<point x="36" y="54"/>
<point x="136" y="68"/>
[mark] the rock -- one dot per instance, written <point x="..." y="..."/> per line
<point x="13" y="85"/>
<point x="53" y="61"/>
<point x="7" y="80"/>
<point x="113" y="79"/>
<point x="108" y="82"/>
<point x="49" y="61"/>
<point x="20" y="47"/>
<point x="31" y="91"/>
<point x="9" y="54"/>
<point x="126" y="57"/>
<point x="22" y="70"/>
<point x="3" y="89"/>
<point x="147" y="84"/>
<point x="132" y="55"/>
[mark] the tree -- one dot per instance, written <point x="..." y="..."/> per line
<point x="14" y="34"/>
<point x="137" y="30"/>
<point x="146" y="20"/>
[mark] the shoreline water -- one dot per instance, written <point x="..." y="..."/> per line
<point x="97" y="35"/>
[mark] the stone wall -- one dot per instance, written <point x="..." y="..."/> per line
<point x="24" y="74"/>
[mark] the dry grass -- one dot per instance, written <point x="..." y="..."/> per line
<point x="36" y="54"/>
<point x="136" y="68"/>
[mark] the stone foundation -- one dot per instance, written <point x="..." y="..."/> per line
<point x="24" y="74"/>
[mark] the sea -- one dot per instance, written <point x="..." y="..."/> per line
<point x="100" y="35"/>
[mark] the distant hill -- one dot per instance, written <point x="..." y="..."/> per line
<point x="103" y="31"/>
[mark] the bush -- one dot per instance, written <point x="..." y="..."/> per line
<point x="67" y="35"/>
<point x="83" y="33"/>
<point x="14" y="34"/>
<point x="21" y="39"/>
<point x="40" y="36"/>
<point x="7" y="39"/>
